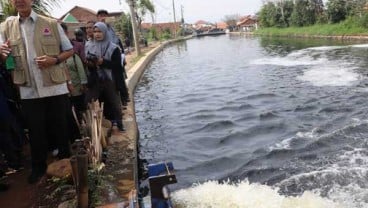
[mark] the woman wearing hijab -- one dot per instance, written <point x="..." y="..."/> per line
<point x="105" y="73"/>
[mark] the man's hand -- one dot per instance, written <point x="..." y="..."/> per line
<point x="70" y="86"/>
<point x="5" y="49"/>
<point x="99" y="61"/>
<point x="44" y="61"/>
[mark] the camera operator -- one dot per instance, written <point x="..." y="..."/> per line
<point x="105" y="73"/>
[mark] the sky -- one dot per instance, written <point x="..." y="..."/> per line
<point x="193" y="10"/>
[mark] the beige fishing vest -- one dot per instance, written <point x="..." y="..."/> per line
<point x="46" y="42"/>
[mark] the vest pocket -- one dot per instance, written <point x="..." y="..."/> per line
<point x="57" y="73"/>
<point x="19" y="76"/>
<point x="50" y="47"/>
<point x="15" y="47"/>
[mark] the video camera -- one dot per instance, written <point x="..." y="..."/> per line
<point x="91" y="57"/>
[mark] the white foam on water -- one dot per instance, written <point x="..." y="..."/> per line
<point x="360" y="46"/>
<point x="313" y="134"/>
<point x="327" y="48"/>
<point x="355" y="193"/>
<point x="303" y="57"/>
<point x="244" y="195"/>
<point x="290" y="60"/>
<point x="330" y="74"/>
<point x="344" y="181"/>
<point x="284" y="144"/>
<point x="346" y="185"/>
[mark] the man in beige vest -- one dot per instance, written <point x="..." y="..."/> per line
<point x="39" y="47"/>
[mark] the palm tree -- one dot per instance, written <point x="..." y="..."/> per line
<point x="40" y="6"/>
<point x="141" y="10"/>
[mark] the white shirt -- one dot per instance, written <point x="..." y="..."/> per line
<point x="37" y="88"/>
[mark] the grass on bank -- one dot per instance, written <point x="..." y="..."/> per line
<point x="346" y="28"/>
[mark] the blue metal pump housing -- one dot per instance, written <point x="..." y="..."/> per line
<point x="159" y="176"/>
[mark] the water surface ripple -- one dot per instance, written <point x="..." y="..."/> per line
<point x="290" y="114"/>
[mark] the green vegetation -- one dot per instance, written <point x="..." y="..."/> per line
<point x="124" y="26"/>
<point x="347" y="28"/>
<point x="301" y="13"/>
<point x="40" y="6"/>
<point x="312" y="17"/>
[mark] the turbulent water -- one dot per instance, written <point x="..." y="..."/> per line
<point x="251" y="122"/>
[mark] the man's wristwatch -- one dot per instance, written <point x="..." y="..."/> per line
<point x="57" y="60"/>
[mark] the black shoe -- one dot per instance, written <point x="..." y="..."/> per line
<point x="120" y="126"/>
<point x="3" y="187"/>
<point x="35" y="177"/>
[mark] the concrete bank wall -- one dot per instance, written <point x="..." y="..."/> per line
<point x="334" y="37"/>
<point x="123" y="153"/>
<point x="134" y="75"/>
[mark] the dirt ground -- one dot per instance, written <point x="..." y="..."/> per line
<point x="44" y="194"/>
<point x="131" y="57"/>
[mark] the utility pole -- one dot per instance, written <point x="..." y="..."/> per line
<point x="182" y="14"/>
<point x="174" y="18"/>
<point x="134" y="26"/>
<point x="182" y="21"/>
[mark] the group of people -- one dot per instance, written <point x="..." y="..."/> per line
<point x="53" y="76"/>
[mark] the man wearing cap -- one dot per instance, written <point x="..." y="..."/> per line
<point x="101" y="16"/>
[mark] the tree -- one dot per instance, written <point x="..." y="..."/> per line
<point x="286" y="9"/>
<point x="336" y="10"/>
<point x="355" y="7"/>
<point x="142" y="7"/>
<point x="124" y="26"/>
<point x="40" y="6"/>
<point x="231" y="20"/>
<point x="306" y="12"/>
<point x="268" y="15"/>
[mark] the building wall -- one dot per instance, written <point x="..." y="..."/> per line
<point x="83" y="15"/>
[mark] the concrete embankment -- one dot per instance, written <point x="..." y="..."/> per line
<point x="122" y="162"/>
<point x="334" y="37"/>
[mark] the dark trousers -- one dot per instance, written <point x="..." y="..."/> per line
<point x="105" y="92"/>
<point x="79" y="105"/>
<point x="124" y="94"/>
<point x="46" y="119"/>
<point x="10" y="141"/>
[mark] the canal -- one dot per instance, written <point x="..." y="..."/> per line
<point x="259" y="119"/>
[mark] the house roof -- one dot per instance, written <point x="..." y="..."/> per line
<point x="69" y="18"/>
<point x="247" y="20"/>
<point x="221" y="25"/>
<point x="78" y="7"/>
<point x="201" y="22"/>
<point x="82" y="14"/>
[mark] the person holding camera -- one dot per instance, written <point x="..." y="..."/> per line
<point x="105" y="73"/>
